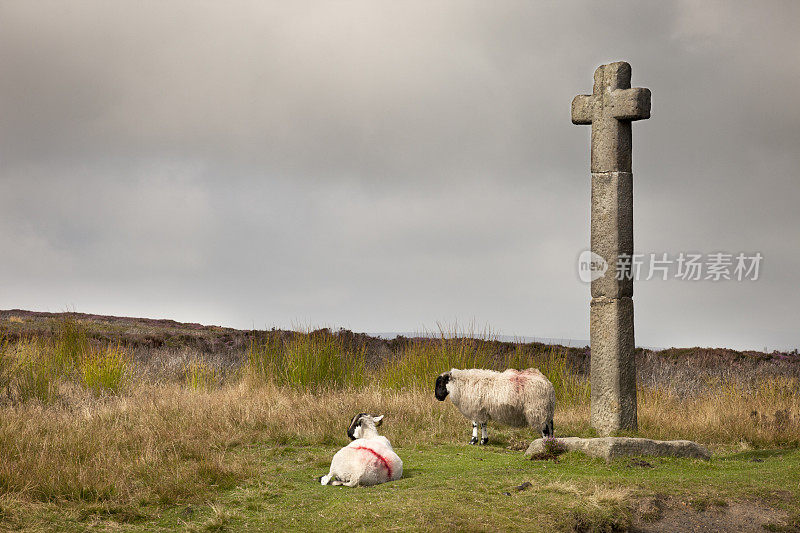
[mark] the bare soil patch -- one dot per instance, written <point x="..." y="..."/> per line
<point x="662" y="514"/>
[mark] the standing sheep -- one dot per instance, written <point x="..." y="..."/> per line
<point x="514" y="398"/>
<point x="368" y="460"/>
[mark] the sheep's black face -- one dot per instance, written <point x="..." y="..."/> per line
<point x="441" y="386"/>
<point x="351" y="431"/>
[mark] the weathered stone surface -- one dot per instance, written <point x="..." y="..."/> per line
<point x="582" y="109"/>
<point x="611" y="447"/>
<point x="630" y="104"/>
<point x="612" y="229"/>
<point x="612" y="365"/>
<point x="610" y="109"/>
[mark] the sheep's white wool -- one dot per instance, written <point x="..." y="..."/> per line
<point x="514" y="398"/>
<point x="368" y="460"/>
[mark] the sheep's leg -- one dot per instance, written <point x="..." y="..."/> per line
<point x="330" y="479"/>
<point x="547" y="430"/>
<point x="484" y="434"/>
<point x="474" y="439"/>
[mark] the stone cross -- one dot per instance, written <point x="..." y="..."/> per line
<point x="610" y="110"/>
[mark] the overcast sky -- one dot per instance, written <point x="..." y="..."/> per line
<point x="385" y="165"/>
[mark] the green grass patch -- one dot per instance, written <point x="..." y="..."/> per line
<point x="447" y="487"/>
<point x="478" y="489"/>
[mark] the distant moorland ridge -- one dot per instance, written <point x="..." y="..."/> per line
<point x="149" y="333"/>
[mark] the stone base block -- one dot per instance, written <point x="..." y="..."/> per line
<point x="611" y="447"/>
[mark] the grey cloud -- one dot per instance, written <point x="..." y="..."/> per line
<point x="383" y="166"/>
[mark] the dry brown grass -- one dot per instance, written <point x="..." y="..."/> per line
<point x="164" y="444"/>
<point x="169" y="443"/>
<point x="184" y="434"/>
<point x="764" y="414"/>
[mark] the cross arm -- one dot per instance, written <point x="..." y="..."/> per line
<point x="629" y="104"/>
<point x="582" y="109"/>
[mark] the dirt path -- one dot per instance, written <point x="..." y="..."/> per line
<point x="671" y="515"/>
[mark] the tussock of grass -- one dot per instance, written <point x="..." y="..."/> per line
<point x="421" y="361"/>
<point x="265" y="358"/>
<point x="33" y="371"/>
<point x="312" y="359"/>
<point x="34" y="368"/>
<point x="201" y="376"/>
<point x="104" y="371"/>
<point x="71" y="343"/>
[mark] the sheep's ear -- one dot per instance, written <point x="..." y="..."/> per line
<point x="378" y="420"/>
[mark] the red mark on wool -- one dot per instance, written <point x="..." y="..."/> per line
<point x="518" y="379"/>
<point x="380" y="458"/>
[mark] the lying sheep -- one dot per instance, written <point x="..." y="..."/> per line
<point x="368" y="460"/>
<point x="514" y="398"/>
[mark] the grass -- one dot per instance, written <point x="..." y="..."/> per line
<point x="306" y="359"/>
<point x="252" y="449"/>
<point x="70" y="343"/>
<point x="33" y="371"/>
<point x="576" y="493"/>
<point x="418" y="364"/>
<point x="481" y="484"/>
<point x="201" y="376"/>
<point x="36" y="368"/>
<point x="104" y="371"/>
<point x="89" y="442"/>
